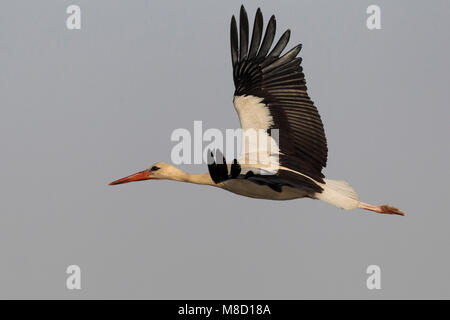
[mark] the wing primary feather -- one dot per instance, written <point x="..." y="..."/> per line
<point x="284" y="59"/>
<point x="234" y="42"/>
<point x="281" y="44"/>
<point x="235" y="169"/>
<point x="243" y="21"/>
<point x="268" y="38"/>
<point x="256" y="35"/>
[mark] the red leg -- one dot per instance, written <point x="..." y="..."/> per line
<point x="384" y="209"/>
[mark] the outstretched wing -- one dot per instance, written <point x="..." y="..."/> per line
<point x="271" y="93"/>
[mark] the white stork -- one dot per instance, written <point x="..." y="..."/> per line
<point x="271" y="94"/>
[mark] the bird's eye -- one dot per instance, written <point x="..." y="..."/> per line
<point x="154" y="168"/>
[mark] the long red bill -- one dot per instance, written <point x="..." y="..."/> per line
<point x="143" y="175"/>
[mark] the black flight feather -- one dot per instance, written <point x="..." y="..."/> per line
<point x="256" y="35"/>
<point x="268" y="38"/>
<point x="281" y="44"/>
<point x="234" y="42"/>
<point x="243" y="21"/>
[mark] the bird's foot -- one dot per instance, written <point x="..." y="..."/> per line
<point x="383" y="209"/>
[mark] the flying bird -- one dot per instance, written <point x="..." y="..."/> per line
<point x="270" y="93"/>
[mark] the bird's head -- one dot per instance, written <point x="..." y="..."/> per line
<point x="159" y="170"/>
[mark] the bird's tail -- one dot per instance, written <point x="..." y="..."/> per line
<point x="340" y="194"/>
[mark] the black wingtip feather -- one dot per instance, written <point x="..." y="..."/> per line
<point x="235" y="169"/>
<point x="234" y="41"/>
<point x="243" y="21"/>
<point x="256" y="35"/>
<point x="288" y="57"/>
<point x="268" y="37"/>
<point x="281" y="44"/>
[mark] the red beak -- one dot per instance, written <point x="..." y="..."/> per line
<point x="143" y="175"/>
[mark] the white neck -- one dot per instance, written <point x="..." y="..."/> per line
<point x="203" y="178"/>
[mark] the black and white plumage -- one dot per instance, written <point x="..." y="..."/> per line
<point x="271" y="95"/>
<point x="259" y="72"/>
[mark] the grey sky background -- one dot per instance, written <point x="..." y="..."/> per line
<point x="82" y="108"/>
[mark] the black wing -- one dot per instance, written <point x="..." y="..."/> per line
<point x="281" y="83"/>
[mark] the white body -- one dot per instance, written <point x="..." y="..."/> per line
<point x="336" y="193"/>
